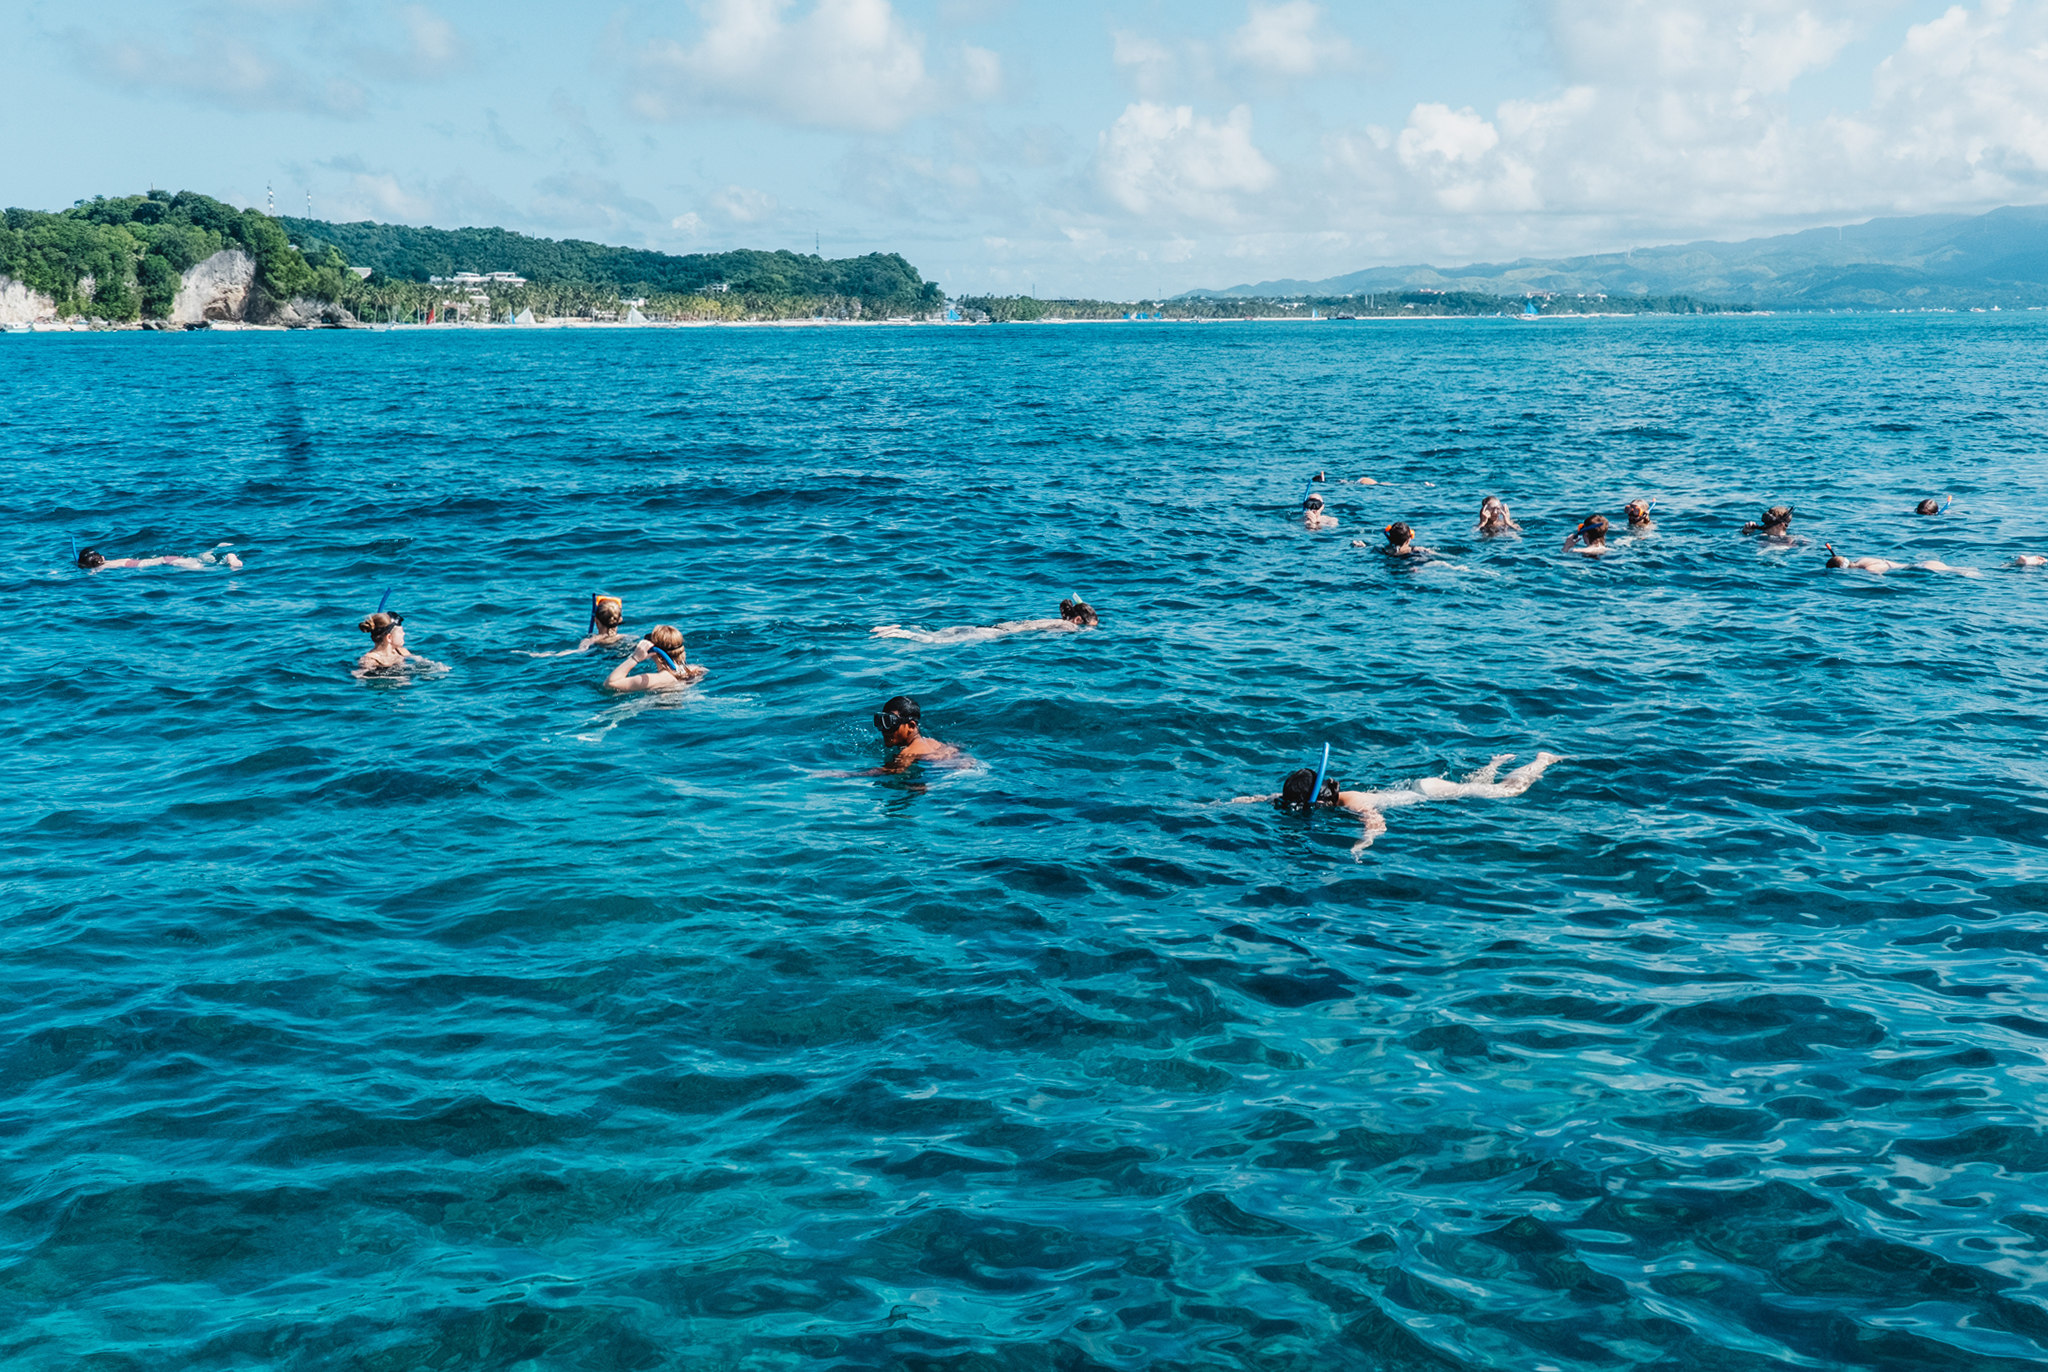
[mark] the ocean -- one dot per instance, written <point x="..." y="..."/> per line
<point x="479" y="1018"/>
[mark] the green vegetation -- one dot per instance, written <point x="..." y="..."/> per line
<point x="121" y="259"/>
<point x="1003" y="309"/>
<point x="767" y="284"/>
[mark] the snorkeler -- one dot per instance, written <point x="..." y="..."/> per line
<point x="1931" y="506"/>
<point x="387" y="645"/>
<point x="2030" y="560"/>
<point x="1638" y="512"/>
<point x="1592" y="532"/>
<point x="663" y="641"/>
<point x="1401" y="542"/>
<point x="1494" y="517"/>
<point x="607" y="612"/>
<point x="1076" y="614"/>
<point x="899" y="723"/>
<point x="1298" y="792"/>
<point x="1860" y="564"/>
<point x="90" y="560"/>
<point x="1312" y="513"/>
<point x="1775" y="525"/>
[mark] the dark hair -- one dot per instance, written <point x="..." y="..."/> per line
<point x="380" y="624"/>
<point x="1399" y="533"/>
<point x="90" y="559"/>
<point x="1595" y="525"/>
<point x="1077" y="611"/>
<point x="1927" y="506"/>
<point x="1294" y="792"/>
<point x="1835" y="559"/>
<point x="904" y="708"/>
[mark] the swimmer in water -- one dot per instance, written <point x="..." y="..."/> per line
<point x="1075" y="615"/>
<point x="899" y="723"/>
<point x="1401" y="542"/>
<point x="1494" y="517"/>
<point x="664" y="643"/>
<point x="91" y="561"/>
<point x="1859" y="564"/>
<point x="388" y="652"/>
<point x="2030" y="560"/>
<point x="1776" y="525"/>
<point x="1312" y="513"/>
<point x="1592" y="532"/>
<point x="607" y="612"/>
<point x="1295" y="792"/>
<point x="1639" y="521"/>
<point x="1931" y="506"/>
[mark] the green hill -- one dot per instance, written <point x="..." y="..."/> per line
<point x="121" y="259"/>
<point x="882" y="282"/>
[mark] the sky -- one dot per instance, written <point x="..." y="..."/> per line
<point x="1124" y="150"/>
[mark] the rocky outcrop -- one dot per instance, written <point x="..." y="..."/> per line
<point x="20" y="305"/>
<point x="218" y="288"/>
<point x="302" y="312"/>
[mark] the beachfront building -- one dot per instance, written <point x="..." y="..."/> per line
<point x="478" y="280"/>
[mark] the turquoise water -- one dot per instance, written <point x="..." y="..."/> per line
<point x="481" y="1020"/>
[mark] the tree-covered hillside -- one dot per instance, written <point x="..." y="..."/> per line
<point x="121" y="259"/>
<point x="882" y="282"/>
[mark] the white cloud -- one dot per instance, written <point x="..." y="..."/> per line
<point x="1168" y="160"/>
<point x="840" y="64"/>
<point x="744" y="204"/>
<point x="1288" y="39"/>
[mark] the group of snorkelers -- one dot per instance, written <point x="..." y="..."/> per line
<point x="1774" y="526"/>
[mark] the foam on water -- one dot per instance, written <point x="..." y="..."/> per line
<point x="481" y="1020"/>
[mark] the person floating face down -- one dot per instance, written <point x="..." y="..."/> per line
<point x="1078" y="613"/>
<point x="1494" y="517"/>
<point x="91" y="560"/>
<point x="1861" y="564"/>
<point x="1776" y="524"/>
<point x="607" y="612"/>
<point x="664" y="643"/>
<point x="1931" y="506"/>
<point x="900" y="722"/>
<point x="1592" y="532"/>
<point x="1312" y="512"/>
<point x="1298" y="794"/>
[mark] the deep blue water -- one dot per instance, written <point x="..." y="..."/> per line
<point x="484" y="1021"/>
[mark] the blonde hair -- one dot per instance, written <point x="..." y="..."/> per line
<point x="378" y="625"/>
<point x="668" y="638"/>
<point x="608" y="610"/>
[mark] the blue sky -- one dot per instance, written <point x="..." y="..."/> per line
<point x="1122" y="150"/>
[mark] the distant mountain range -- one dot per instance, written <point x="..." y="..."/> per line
<point x="1929" y="261"/>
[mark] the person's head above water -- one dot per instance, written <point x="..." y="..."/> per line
<point x="1638" y="511"/>
<point x="1835" y="559"/>
<point x="1399" y="535"/>
<point x="1312" y="503"/>
<point x="898" y="720"/>
<point x="607" y="612"/>
<point x="379" y="626"/>
<point x="1778" y="518"/>
<point x="1929" y="506"/>
<point x="1593" y="529"/>
<point x="90" y="559"/>
<point x="1078" y="612"/>
<point x="669" y="639"/>
<point x="1295" y="792"/>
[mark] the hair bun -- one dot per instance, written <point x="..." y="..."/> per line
<point x="368" y="626"/>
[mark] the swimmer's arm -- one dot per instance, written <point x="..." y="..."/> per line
<point x="622" y="678"/>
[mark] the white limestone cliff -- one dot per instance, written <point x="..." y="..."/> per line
<point x="217" y="288"/>
<point x="20" y="305"/>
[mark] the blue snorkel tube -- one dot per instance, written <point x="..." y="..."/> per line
<point x="666" y="659"/>
<point x="384" y="600"/>
<point x="1322" y="771"/>
<point x="1948" y="501"/>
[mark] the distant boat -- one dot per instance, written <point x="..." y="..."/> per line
<point x="523" y="317"/>
<point x="633" y="315"/>
<point x="1529" y="310"/>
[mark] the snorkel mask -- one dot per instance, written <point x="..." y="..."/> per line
<point x="888" y="721"/>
